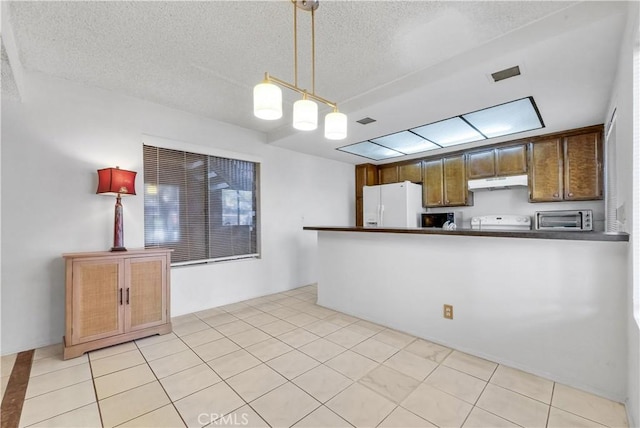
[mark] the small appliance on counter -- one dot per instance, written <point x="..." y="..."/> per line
<point x="450" y="220"/>
<point x="501" y="222"/>
<point x="566" y="220"/>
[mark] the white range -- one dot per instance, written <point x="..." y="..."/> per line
<point x="501" y="222"/>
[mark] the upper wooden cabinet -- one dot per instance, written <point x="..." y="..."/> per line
<point x="366" y="175"/>
<point x="433" y="185"/>
<point x="455" y="182"/>
<point x="444" y="182"/>
<point x="410" y="172"/>
<point x="566" y="168"/>
<point x="545" y="170"/>
<point x="583" y="167"/>
<point x="388" y="174"/>
<point x="499" y="161"/>
<point x="511" y="160"/>
<point x="481" y="164"/>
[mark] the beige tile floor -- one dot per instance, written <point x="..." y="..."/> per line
<point x="280" y="360"/>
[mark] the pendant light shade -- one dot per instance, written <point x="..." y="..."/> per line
<point x="305" y="115"/>
<point x="335" y="126"/>
<point x="267" y="101"/>
<point x="267" y="104"/>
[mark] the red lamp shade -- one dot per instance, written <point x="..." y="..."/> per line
<point x="116" y="181"/>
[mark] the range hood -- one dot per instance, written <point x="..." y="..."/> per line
<point x="496" y="183"/>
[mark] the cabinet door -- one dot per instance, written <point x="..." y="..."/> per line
<point x="511" y="160"/>
<point x="359" y="211"/>
<point x="97" y="307"/>
<point x="146" y="292"/>
<point x="410" y="172"/>
<point x="432" y="185"/>
<point x="481" y="164"/>
<point x="455" y="181"/>
<point x="545" y="171"/>
<point x="366" y="175"/>
<point x="583" y="167"/>
<point x="388" y="174"/>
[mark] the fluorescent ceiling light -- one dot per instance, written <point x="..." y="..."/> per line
<point x="449" y="132"/>
<point x="406" y="142"/>
<point x="371" y="150"/>
<point x="504" y="119"/>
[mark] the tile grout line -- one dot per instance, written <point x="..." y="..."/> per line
<point x="95" y="390"/>
<point x="13" y="399"/>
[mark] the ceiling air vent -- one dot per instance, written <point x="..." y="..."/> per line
<point x="365" y="121"/>
<point x="506" y="73"/>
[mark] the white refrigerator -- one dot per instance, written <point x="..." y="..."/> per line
<point x="392" y="205"/>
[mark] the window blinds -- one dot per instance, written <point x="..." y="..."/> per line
<point x="203" y="207"/>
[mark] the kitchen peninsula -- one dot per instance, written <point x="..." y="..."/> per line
<point x="549" y="303"/>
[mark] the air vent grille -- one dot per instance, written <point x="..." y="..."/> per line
<point x="365" y="121"/>
<point x="506" y="73"/>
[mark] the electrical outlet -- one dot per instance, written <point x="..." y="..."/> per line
<point x="448" y="312"/>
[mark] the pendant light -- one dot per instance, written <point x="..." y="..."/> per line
<point x="335" y="126"/>
<point x="267" y="96"/>
<point x="267" y="101"/>
<point x="305" y="114"/>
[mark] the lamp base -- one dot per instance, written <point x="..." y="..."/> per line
<point x="118" y="249"/>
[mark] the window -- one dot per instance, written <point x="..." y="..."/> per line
<point x="203" y="207"/>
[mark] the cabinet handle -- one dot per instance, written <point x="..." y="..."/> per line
<point x="447" y="201"/>
<point x="127" y="296"/>
<point x="555" y="195"/>
<point x="120" y="296"/>
<point x="570" y="194"/>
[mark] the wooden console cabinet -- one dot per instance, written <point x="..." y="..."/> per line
<point x="114" y="297"/>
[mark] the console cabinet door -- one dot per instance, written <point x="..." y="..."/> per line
<point x="583" y="167"/>
<point x="432" y="185"/>
<point x="546" y="171"/>
<point x="455" y="181"/>
<point x="145" y="292"/>
<point x="98" y="309"/>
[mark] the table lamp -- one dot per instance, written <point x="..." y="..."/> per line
<point x="116" y="181"/>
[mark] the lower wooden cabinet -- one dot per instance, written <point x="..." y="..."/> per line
<point x="114" y="297"/>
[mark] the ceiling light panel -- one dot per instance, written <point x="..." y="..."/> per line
<point x="504" y="119"/>
<point x="371" y="150"/>
<point x="449" y="132"/>
<point x="406" y="142"/>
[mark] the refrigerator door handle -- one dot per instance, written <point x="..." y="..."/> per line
<point x="381" y="216"/>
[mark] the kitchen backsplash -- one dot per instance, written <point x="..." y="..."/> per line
<point x="514" y="201"/>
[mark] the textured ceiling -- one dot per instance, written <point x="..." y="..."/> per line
<point x="205" y="57"/>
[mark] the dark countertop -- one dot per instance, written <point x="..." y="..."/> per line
<point x="534" y="234"/>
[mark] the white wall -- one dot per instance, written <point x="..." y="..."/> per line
<point x="52" y="145"/>
<point x="549" y="307"/>
<point x="629" y="197"/>
<point x="515" y="201"/>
